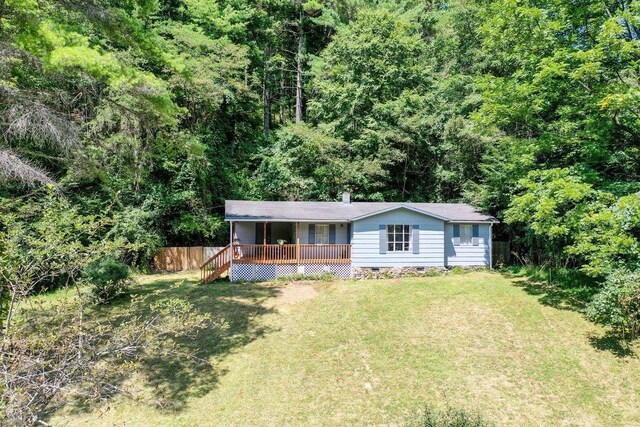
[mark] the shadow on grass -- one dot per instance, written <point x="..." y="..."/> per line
<point x="613" y="344"/>
<point x="564" y="289"/>
<point x="567" y="289"/>
<point x="173" y="380"/>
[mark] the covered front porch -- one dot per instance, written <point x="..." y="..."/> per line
<point x="263" y="250"/>
<point x="267" y="250"/>
<point x="291" y="254"/>
<point x="291" y="243"/>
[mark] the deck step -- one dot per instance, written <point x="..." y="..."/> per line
<point x="217" y="273"/>
<point x="215" y="266"/>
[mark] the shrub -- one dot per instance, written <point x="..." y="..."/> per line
<point x="322" y="277"/>
<point x="458" y="270"/>
<point x="450" y="417"/>
<point x="617" y="305"/>
<point x="109" y="278"/>
<point x="432" y="272"/>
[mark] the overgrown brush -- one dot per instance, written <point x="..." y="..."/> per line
<point x="449" y="417"/>
<point x="617" y="305"/>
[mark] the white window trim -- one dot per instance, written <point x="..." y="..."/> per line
<point x="323" y="226"/>
<point x="469" y="232"/>
<point x="409" y="247"/>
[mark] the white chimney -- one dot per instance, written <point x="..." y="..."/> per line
<point x="346" y="197"/>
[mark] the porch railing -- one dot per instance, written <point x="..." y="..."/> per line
<point x="291" y="254"/>
<point x="215" y="266"/>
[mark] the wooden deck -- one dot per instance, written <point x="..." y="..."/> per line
<point x="291" y="254"/>
<point x="218" y="264"/>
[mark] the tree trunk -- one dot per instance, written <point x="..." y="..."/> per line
<point x="299" y="77"/>
<point x="282" y="94"/>
<point x="266" y="102"/>
<point x="11" y="308"/>
<point x="2" y="309"/>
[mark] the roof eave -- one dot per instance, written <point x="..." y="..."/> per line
<point x="264" y="219"/>
<point x="393" y="208"/>
<point x="473" y="221"/>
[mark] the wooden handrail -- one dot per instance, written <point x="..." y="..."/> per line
<point x="215" y="265"/>
<point x="274" y="254"/>
<point x="291" y="253"/>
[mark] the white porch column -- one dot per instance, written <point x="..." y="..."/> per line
<point x="231" y="251"/>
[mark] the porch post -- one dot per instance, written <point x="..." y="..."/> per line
<point x="264" y="234"/>
<point x="231" y="249"/>
<point x="297" y="243"/>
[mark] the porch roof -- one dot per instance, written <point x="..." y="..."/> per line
<point x="247" y="210"/>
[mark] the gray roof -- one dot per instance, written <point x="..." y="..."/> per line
<point x="245" y="210"/>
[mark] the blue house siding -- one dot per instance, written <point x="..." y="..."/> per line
<point x="468" y="255"/>
<point x="341" y="232"/>
<point x="365" y="249"/>
<point x="436" y="248"/>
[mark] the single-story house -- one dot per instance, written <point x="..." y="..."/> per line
<point x="271" y="239"/>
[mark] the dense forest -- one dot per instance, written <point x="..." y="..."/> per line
<point x="156" y="111"/>
<point x="125" y="124"/>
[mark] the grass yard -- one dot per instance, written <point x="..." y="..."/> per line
<point x="376" y="352"/>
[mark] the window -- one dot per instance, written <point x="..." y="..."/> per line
<point x="322" y="234"/>
<point x="398" y="238"/>
<point x="466" y="234"/>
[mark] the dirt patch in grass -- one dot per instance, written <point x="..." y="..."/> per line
<point x="296" y="292"/>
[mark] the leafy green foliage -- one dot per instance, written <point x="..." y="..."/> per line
<point x="164" y="109"/>
<point x="450" y="418"/>
<point x="46" y="244"/>
<point x="609" y="237"/>
<point x="320" y="277"/>
<point x="555" y="74"/>
<point x="144" y="113"/>
<point x="306" y="164"/>
<point x="617" y="305"/>
<point x="550" y="208"/>
<point x="109" y="279"/>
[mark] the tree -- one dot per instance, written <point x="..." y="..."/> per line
<point x="305" y="164"/>
<point x="44" y="243"/>
<point x="617" y="305"/>
<point x="56" y="351"/>
<point x="556" y="97"/>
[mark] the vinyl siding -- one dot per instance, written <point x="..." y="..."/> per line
<point x="468" y="255"/>
<point x="365" y="250"/>
<point x="341" y="233"/>
<point x="245" y="232"/>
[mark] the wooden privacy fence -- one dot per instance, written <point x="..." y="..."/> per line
<point x="179" y="258"/>
<point x="501" y="253"/>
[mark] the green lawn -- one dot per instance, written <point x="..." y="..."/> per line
<point x="376" y="352"/>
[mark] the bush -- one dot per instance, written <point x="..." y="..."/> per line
<point x="449" y="418"/>
<point x="109" y="279"/>
<point x="299" y="277"/>
<point x="458" y="270"/>
<point x="617" y="305"/>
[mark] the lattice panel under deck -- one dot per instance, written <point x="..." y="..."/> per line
<point x="251" y="272"/>
<point x="341" y="270"/>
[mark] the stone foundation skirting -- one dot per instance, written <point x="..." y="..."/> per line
<point x="393" y="272"/>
